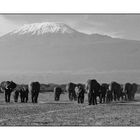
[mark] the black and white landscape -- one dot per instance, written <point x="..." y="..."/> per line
<point x="58" y="49"/>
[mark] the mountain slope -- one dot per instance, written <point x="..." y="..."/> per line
<point x="58" y="49"/>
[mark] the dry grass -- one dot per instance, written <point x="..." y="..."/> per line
<point x="64" y="113"/>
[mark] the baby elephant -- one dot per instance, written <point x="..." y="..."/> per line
<point x="57" y="92"/>
<point x="23" y="93"/>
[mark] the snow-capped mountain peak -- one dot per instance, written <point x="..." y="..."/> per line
<point x="43" y="28"/>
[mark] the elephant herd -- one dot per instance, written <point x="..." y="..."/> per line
<point x="22" y="91"/>
<point x="104" y="92"/>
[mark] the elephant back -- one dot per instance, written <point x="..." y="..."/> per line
<point x="105" y="85"/>
<point x="115" y="86"/>
<point x="70" y="87"/>
<point x="57" y="89"/>
<point x="92" y="85"/>
<point x="34" y="86"/>
<point x="128" y="87"/>
<point x="134" y="87"/>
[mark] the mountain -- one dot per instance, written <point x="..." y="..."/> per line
<point x="55" y="52"/>
<point x="43" y="28"/>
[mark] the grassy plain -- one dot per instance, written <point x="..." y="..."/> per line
<point x="65" y="113"/>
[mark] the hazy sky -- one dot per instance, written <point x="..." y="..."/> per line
<point x="124" y="26"/>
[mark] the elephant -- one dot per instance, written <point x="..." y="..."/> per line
<point x="16" y="94"/>
<point x="134" y="90"/>
<point x="103" y="92"/>
<point x="93" y="89"/>
<point x="21" y="91"/>
<point x="80" y="91"/>
<point x="123" y="93"/>
<point x="70" y="88"/>
<point x="128" y="91"/>
<point x="116" y="90"/>
<point x="109" y="96"/>
<point x="24" y="94"/>
<point x="34" y="88"/>
<point x="8" y="87"/>
<point x="57" y="92"/>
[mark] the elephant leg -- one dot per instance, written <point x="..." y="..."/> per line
<point x="36" y="98"/>
<point x="15" y="100"/>
<point x="17" y="97"/>
<point x="83" y="99"/>
<point x="118" y="98"/>
<point x="21" y="99"/>
<point x="32" y="99"/>
<point x="114" y="96"/>
<point x="95" y="98"/>
<point x="26" y="98"/>
<point x="6" y="100"/>
<point x="55" y="96"/>
<point x="9" y="95"/>
<point x="78" y="100"/>
<point x="100" y="98"/>
<point x="125" y="97"/>
<point x="89" y="99"/>
<point x="104" y="99"/>
<point x="74" y="96"/>
<point x="129" y="96"/>
<point x="58" y="97"/>
<point x="92" y="100"/>
<point x="132" y="96"/>
<point x="70" y="96"/>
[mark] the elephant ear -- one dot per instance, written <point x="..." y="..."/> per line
<point x="7" y="84"/>
<point x="11" y="85"/>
